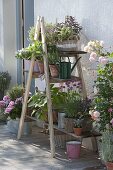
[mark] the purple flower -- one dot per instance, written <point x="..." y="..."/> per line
<point x="71" y="88"/>
<point x="110" y="110"/>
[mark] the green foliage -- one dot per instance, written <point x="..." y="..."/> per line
<point x="4" y="81"/>
<point x="107" y="146"/>
<point x="104" y="99"/>
<point x="59" y="32"/>
<point x="15" y="92"/>
<point x="72" y="105"/>
<point x="53" y="55"/>
<point x="33" y="50"/>
<point x="31" y="33"/>
<point x="39" y="102"/>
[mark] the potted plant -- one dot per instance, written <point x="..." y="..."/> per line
<point x="39" y="103"/>
<point x="53" y="59"/>
<point x="33" y="50"/>
<point x="78" y="124"/>
<point x="71" y="108"/>
<point x="62" y="33"/>
<point x="5" y="79"/>
<point x="12" y="106"/>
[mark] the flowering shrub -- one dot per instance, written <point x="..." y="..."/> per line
<point x="12" y="102"/>
<point x="102" y="112"/>
<point x="11" y="108"/>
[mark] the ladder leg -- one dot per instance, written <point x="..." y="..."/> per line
<point x="21" y="124"/>
<point x="50" y="116"/>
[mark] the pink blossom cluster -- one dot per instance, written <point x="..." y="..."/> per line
<point x="96" y="50"/>
<point x="9" y="104"/>
<point x="10" y="107"/>
<point x="95" y="115"/>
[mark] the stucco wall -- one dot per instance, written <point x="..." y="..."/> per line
<point x="96" y="18"/>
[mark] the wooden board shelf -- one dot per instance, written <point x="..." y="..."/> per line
<point x="85" y="135"/>
<point x="58" y="80"/>
<point x="55" y="80"/>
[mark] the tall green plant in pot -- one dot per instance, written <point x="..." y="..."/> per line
<point x="71" y="108"/>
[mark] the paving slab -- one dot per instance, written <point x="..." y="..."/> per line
<point x="32" y="152"/>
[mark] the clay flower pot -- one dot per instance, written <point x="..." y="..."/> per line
<point x="41" y="66"/>
<point x="53" y="70"/>
<point x="77" y="131"/>
<point x="109" y="165"/>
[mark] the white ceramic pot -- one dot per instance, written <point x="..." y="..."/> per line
<point x="61" y="120"/>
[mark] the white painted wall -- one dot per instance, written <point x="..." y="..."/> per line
<point x="8" y="38"/>
<point x="1" y="36"/>
<point x="96" y="16"/>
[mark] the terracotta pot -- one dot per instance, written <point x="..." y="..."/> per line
<point x="77" y="131"/>
<point x="53" y="70"/>
<point x="41" y="66"/>
<point x="109" y="165"/>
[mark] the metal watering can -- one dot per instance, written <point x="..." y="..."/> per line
<point x="65" y="69"/>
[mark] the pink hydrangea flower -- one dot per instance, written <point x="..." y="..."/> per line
<point x="2" y="103"/>
<point x="103" y="60"/>
<point x="96" y="114"/>
<point x="110" y="110"/>
<point x="9" y="109"/>
<point x="11" y="103"/>
<point x="86" y="48"/>
<point x="6" y="98"/>
<point x="111" y="121"/>
<point x="91" y="59"/>
<point x="93" y="55"/>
